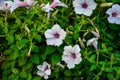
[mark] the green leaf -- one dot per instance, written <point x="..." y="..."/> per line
<point x="75" y="36"/>
<point x="24" y="41"/>
<point x="23" y="75"/>
<point x="36" y="78"/>
<point x="114" y="26"/>
<point x="93" y="67"/>
<point x="92" y="58"/>
<point x="27" y="66"/>
<point x="50" y="50"/>
<point x="55" y="58"/>
<point x="35" y="49"/>
<point x="37" y="37"/>
<point x="22" y="60"/>
<point x="10" y="39"/>
<point x="35" y="58"/>
<point x="5" y="30"/>
<point x="15" y="71"/>
<point x="110" y="76"/>
<point x="67" y="73"/>
<point x="29" y="77"/>
<point x="8" y="52"/>
<point x="108" y="70"/>
<point x="117" y="69"/>
<point x="15" y="55"/>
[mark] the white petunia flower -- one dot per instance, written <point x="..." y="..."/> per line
<point x="85" y="7"/>
<point x="114" y="14"/>
<point x="71" y="56"/>
<point x="55" y="36"/>
<point x="94" y="42"/>
<point x="5" y="5"/>
<point x="56" y="3"/>
<point x="44" y="70"/>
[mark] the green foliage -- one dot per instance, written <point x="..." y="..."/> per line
<point x="24" y="49"/>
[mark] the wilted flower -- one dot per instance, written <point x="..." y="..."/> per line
<point x="71" y="56"/>
<point x="55" y="36"/>
<point x="85" y="7"/>
<point x="18" y="3"/>
<point x="5" y="5"/>
<point x="44" y="70"/>
<point x="94" y="42"/>
<point x="114" y="14"/>
<point x="59" y="64"/>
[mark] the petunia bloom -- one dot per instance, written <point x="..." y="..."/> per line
<point x="44" y="70"/>
<point x="85" y="7"/>
<point x="71" y="56"/>
<point x="5" y="5"/>
<point x="114" y="14"/>
<point x="56" y="3"/>
<point x="55" y="36"/>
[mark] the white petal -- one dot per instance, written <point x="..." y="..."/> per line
<point x="40" y="73"/>
<point x="65" y="58"/>
<point x="14" y="6"/>
<point x="49" y="34"/>
<point x="112" y="19"/>
<point x="55" y="42"/>
<point x="76" y="49"/>
<point x="87" y="12"/>
<point x="95" y="45"/>
<point x="48" y="72"/>
<point x="45" y="76"/>
<point x="62" y="34"/>
<point x="78" y="59"/>
<point x="89" y="42"/>
<point x="70" y="64"/>
<point x="40" y="67"/>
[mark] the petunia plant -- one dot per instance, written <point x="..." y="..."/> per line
<point x="59" y="39"/>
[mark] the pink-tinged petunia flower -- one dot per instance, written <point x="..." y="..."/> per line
<point x="49" y="7"/>
<point x="85" y="7"/>
<point x="5" y="5"/>
<point x="44" y="70"/>
<point x="26" y="3"/>
<point x="56" y="3"/>
<point x="114" y="14"/>
<point x="94" y="42"/>
<point x="71" y="56"/>
<point x="55" y="36"/>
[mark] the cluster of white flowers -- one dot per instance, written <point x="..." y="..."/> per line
<point x="55" y="36"/>
<point x="12" y="5"/>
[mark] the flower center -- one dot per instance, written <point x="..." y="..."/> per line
<point x="56" y="35"/>
<point x="114" y="14"/>
<point x="84" y="5"/>
<point x="46" y="68"/>
<point x="73" y="55"/>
